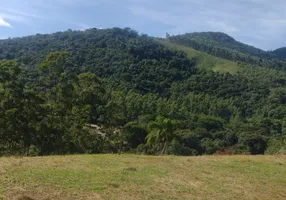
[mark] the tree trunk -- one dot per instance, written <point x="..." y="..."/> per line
<point x="165" y="149"/>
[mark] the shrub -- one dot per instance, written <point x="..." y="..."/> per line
<point x="276" y="146"/>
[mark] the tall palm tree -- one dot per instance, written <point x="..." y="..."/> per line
<point x="161" y="133"/>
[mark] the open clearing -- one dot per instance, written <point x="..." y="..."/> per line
<point x="142" y="177"/>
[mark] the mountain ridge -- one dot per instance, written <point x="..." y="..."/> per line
<point x="223" y="37"/>
<point x="214" y="35"/>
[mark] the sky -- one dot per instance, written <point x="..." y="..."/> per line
<point x="261" y="23"/>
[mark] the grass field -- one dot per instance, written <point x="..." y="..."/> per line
<point x="206" y="61"/>
<point x="142" y="177"/>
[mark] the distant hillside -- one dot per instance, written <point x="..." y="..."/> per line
<point x="281" y="52"/>
<point x="119" y="55"/>
<point x="204" y="95"/>
<point x="224" y="46"/>
<point x="225" y="41"/>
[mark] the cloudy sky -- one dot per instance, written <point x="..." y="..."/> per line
<point x="261" y="23"/>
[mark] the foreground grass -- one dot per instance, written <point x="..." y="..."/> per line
<point x="143" y="177"/>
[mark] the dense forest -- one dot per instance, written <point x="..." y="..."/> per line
<point x="142" y="96"/>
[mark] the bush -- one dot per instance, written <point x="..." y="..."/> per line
<point x="255" y="143"/>
<point x="176" y="148"/>
<point x="275" y="147"/>
<point x="33" y="151"/>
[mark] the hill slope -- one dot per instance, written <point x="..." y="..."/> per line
<point x="224" y="46"/>
<point x="142" y="177"/>
<point x="225" y="41"/>
<point x="118" y="78"/>
<point x="281" y="52"/>
<point x="205" y="61"/>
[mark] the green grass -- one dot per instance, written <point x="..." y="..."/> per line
<point x="206" y="61"/>
<point x="143" y="177"/>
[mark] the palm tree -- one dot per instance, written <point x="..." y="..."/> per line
<point x="161" y="133"/>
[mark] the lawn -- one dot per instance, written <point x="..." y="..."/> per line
<point x="142" y="177"/>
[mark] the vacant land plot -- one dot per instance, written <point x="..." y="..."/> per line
<point x="142" y="177"/>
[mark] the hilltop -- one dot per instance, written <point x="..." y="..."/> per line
<point x="222" y="40"/>
<point x="223" y="46"/>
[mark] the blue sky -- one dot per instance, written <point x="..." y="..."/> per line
<point x="261" y="23"/>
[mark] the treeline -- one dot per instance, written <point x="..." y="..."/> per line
<point x="156" y="98"/>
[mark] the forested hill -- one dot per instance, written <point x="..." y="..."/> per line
<point x="116" y="54"/>
<point x="281" y="52"/>
<point x="224" y="46"/>
<point x="165" y="101"/>
<point x="224" y="41"/>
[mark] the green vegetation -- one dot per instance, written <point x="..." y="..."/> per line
<point x="224" y="46"/>
<point x="145" y="96"/>
<point x="281" y="52"/>
<point x="143" y="177"/>
<point x="204" y="60"/>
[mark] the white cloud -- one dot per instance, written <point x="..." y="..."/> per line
<point x="4" y="23"/>
<point x="2" y="37"/>
<point x="19" y="13"/>
<point x="260" y="22"/>
<point x="83" y="27"/>
<point x="13" y="17"/>
<point x="182" y="21"/>
<point x="222" y="26"/>
<point x="159" y="16"/>
<point x="18" y="16"/>
<point x="274" y="22"/>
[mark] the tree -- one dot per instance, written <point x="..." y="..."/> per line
<point x="49" y="107"/>
<point x="89" y="96"/>
<point x="12" y="101"/>
<point x="70" y="103"/>
<point x="161" y="133"/>
<point x="168" y="35"/>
